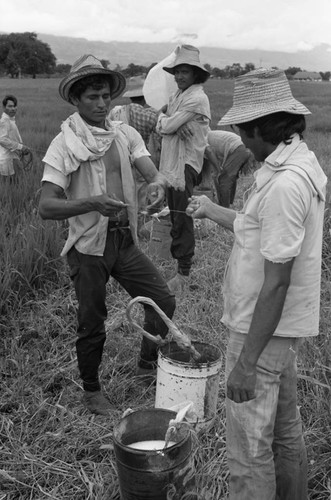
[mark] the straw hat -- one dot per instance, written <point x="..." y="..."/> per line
<point x="89" y="65"/>
<point x="259" y="93"/>
<point x="137" y="92"/>
<point x="187" y="54"/>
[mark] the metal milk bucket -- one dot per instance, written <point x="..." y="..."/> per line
<point x="186" y="370"/>
<point x="153" y="474"/>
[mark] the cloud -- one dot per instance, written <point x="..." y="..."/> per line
<point x="265" y="24"/>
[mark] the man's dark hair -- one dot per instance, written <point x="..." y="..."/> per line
<point x="96" y="82"/>
<point x="9" y="98"/>
<point x="277" y="127"/>
<point x="200" y="75"/>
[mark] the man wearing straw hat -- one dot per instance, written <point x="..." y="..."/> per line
<point x="271" y="289"/>
<point x="88" y="179"/>
<point x="184" y="126"/>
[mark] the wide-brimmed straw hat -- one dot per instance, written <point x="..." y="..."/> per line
<point x="259" y="93"/>
<point x="89" y="65"/>
<point x="136" y="92"/>
<point x="187" y="54"/>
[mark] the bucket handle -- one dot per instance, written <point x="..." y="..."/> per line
<point x="181" y="339"/>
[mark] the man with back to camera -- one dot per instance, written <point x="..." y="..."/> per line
<point x="271" y="289"/>
<point x="88" y="179"/>
<point x="11" y="147"/>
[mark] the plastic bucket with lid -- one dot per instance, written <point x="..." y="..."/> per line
<point x="153" y="474"/>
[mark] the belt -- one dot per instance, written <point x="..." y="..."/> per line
<point x="117" y="224"/>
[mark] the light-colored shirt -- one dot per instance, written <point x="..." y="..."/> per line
<point x="190" y="105"/>
<point x="10" y="144"/>
<point x="223" y="143"/>
<point x="282" y="219"/>
<point x="88" y="232"/>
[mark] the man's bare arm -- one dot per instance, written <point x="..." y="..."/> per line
<point x="267" y="314"/>
<point x="54" y="205"/>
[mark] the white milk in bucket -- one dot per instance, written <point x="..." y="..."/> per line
<point x="179" y="378"/>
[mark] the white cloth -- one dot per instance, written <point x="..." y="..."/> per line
<point x="282" y="219"/>
<point x="10" y="144"/>
<point x="74" y="161"/>
<point x="190" y="105"/>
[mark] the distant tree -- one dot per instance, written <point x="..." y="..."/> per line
<point x="105" y="63"/>
<point x="325" y="76"/>
<point x="218" y="73"/>
<point x="249" y="67"/>
<point x="133" y="70"/>
<point x="291" y="71"/>
<point x="62" y="68"/>
<point x="118" y="68"/>
<point x="208" y="67"/>
<point x="24" y="52"/>
<point x="234" y="70"/>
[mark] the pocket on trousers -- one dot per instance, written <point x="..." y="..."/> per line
<point x="73" y="262"/>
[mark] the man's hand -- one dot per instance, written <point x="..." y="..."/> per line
<point x="25" y="150"/>
<point x="241" y="383"/>
<point x="198" y="207"/>
<point x="109" y="206"/>
<point x="155" y="194"/>
<point x="185" y="131"/>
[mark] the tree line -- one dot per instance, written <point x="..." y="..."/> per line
<point x="23" y="53"/>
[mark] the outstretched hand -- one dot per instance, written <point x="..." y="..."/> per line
<point x="155" y="194"/>
<point x="198" y="207"/>
<point x="109" y="206"/>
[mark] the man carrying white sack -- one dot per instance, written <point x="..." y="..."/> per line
<point x="271" y="288"/>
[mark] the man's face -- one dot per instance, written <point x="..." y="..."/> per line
<point x="184" y="76"/>
<point x="10" y="109"/>
<point x="255" y="144"/>
<point x="93" y="105"/>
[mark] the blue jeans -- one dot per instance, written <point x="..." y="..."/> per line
<point x="138" y="276"/>
<point x="266" y="452"/>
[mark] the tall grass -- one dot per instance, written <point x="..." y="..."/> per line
<point x="50" y="446"/>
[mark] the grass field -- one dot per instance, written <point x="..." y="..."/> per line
<point x="50" y="447"/>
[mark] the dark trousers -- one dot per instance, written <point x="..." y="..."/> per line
<point x="182" y="231"/>
<point x="138" y="276"/>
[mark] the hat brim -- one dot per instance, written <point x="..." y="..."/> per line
<point x="245" y="114"/>
<point x="118" y="82"/>
<point x="171" y="69"/>
<point x="133" y="93"/>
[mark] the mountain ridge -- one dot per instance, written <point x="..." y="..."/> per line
<point x="68" y="49"/>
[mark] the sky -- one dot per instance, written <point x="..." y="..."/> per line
<point x="284" y="25"/>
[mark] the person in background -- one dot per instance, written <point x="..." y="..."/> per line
<point x="88" y="179"/>
<point x="11" y="147"/>
<point x="271" y="288"/>
<point x="184" y="125"/>
<point x="144" y="120"/>
<point x="225" y="158"/>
